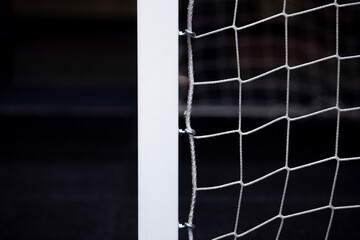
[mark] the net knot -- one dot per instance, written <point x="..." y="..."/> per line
<point x="186" y="225"/>
<point x="188" y="131"/>
<point x="187" y="32"/>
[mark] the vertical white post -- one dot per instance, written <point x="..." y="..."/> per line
<point x="158" y="119"/>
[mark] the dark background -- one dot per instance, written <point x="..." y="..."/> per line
<point x="68" y="119"/>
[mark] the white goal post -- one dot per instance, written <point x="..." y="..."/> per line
<point x="157" y="119"/>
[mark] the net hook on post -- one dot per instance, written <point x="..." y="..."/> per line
<point x="187" y="32"/>
<point x="188" y="131"/>
<point x="186" y="225"/>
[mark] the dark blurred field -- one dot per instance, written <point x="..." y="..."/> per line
<point x="68" y="178"/>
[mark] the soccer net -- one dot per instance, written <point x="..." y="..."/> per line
<point x="277" y="81"/>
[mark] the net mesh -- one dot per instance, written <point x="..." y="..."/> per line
<point x="289" y="101"/>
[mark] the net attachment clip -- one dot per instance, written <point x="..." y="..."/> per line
<point x="188" y="131"/>
<point x="187" y="32"/>
<point x="186" y="225"/>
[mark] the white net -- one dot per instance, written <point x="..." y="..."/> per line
<point x="293" y="87"/>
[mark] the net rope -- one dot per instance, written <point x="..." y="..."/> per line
<point x="241" y="183"/>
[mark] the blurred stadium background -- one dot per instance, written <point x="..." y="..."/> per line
<point x="68" y="119"/>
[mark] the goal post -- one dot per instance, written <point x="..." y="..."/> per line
<point x="157" y="23"/>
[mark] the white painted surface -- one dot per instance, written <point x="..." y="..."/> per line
<point x="158" y="119"/>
